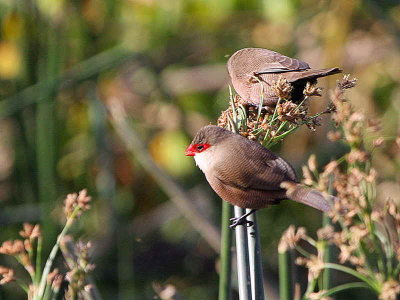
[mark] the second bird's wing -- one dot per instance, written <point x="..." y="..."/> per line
<point x="267" y="62"/>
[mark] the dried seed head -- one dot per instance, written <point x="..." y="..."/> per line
<point x="80" y="200"/>
<point x="325" y="233"/>
<point x="282" y="88"/>
<point x="390" y="290"/>
<point x="52" y="275"/>
<point x="334" y="136"/>
<point x="312" y="163"/>
<point x="312" y="90"/>
<point x="7" y="275"/>
<point x="30" y="231"/>
<point x="12" y="247"/>
<point x="378" y="142"/>
<point x="346" y="82"/>
<point x="357" y="156"/>
<point x="56" y="284"/>
<point x="167" y="292"/>
<point x="290" y="238"/>
<point x="308" y="178"/>
<point x="318" y="296"/>
<point x="374" y="125"/>
<point x="329" y="168"/>
<point x="289" y="111"/>
<point x="314" y="264"/>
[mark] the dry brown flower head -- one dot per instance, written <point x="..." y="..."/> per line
<point x="390" y="290"/>
<point x="318" y="296"/>
<point x="7" y="275"/>
<point x="308" y="177"/>
<point x="74" y="200"/>
<point x="57" y="281"/>
<point x="282" y="88"/>
<point x="12" y="247"/>
<point x="347" y="82"/>
<point x="290" y="238"/>
<point x="325" y="233"/>
<point x="167" y="292"/>
<point x="30" y="231"/>
<point x="291" y="112"/>
<point x="314" y="264"/>
<point x="334" y="136"/>
<point x="357" y="155"/>
<point x="378" y="142"/>
<point x="311" y="89"/>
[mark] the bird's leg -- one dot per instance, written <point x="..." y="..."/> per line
<point x="242" y="220"/>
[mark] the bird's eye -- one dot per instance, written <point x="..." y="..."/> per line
<point x="200" y="147"/>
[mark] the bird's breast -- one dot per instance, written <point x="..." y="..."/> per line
<point x="203" y="160"/>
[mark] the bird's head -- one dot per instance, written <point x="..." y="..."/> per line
<point x="207" y="137"/>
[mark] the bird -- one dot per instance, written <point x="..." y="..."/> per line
<point x="246" y="174"/>
<point x="254" y="70"/>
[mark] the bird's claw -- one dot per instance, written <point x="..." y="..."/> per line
<point x="240" y="221"/>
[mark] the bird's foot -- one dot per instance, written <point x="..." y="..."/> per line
<point x="240" y="221"/>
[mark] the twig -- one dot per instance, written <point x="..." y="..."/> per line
<point x="178" y="195"/>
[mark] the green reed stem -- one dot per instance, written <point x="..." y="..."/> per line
<point x="53" y="253"/>
<point x="346" y="286"/>
<point x="45" y="130"/>
<point x="225" y="279"/>
<point x="285" y="276"/>
<point x="38" y="271"/>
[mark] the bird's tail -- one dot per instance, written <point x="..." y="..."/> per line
<point x="312" y="74"/>
<point x="310" y="197"/>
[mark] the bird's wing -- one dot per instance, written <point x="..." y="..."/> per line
<point x="272" y="62"/>
<point x="252" y="167"/>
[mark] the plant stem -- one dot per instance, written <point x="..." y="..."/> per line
<point x="226" y="255"/>
<point x="350" y="271"/>
<point x="285" y="276"/>
<point x="53" y="254"/>
<point x="23" y="286"/>
<point x="38" y="272"/>
<point x="45" y="128"/>
<point x="346" y="286"/>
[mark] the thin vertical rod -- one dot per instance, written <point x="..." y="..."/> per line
<point x="242" y="253"/>
<point x="256" y="272"/>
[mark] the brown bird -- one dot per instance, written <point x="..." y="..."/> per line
<point x="253" y="71"/>
<point x="246" y="174"/>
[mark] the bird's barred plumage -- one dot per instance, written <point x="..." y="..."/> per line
<point x="248" y="175"/>
<point x="254" y="70"/>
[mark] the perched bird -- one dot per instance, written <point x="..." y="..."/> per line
<point x="254" y="70"/>
<point x="246" y="174"/>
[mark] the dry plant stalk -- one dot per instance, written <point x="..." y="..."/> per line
<point x="27" y="251"/>
<point x="366" y="234"/>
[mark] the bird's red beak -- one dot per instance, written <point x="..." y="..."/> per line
<point x="190" y="150"/>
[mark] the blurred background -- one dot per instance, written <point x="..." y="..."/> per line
<point x="64" y="63"/>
